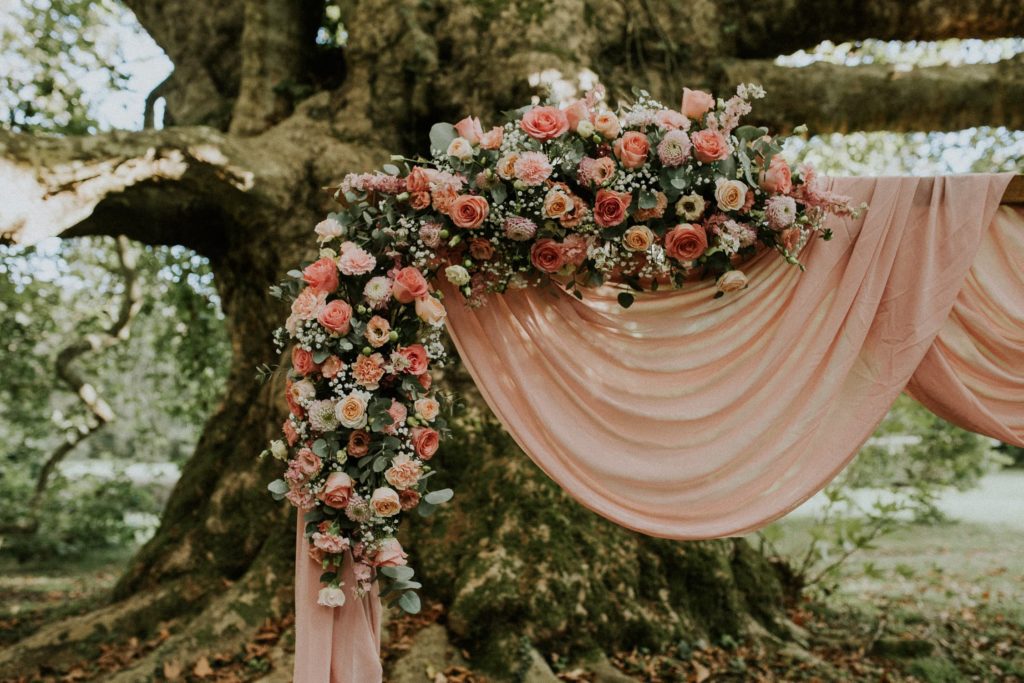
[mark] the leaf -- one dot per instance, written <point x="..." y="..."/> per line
<point x="320" y="355"/>
<point x="498" y="193"/>
<point x="390" y="169"/>
<point x="648" y="200"/>
<point x="380" y="464"/>
<point x="327" y="577"/>
<point x="202" y="669"/>
<point x="172" y="670"/>
<point x="278" y="488"/>
<point x="320" y="448"/>
<point x="441" y="135"/>
<point x="750" y="132"/>
<point x="626" y="299"/>
<point x="409" y="602"/>
<point x="398" y="573"/>
<point x="425" y="509"/>
<point x="439" y="496"/>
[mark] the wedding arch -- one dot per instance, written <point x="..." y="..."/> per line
<point x="685" y="333"/>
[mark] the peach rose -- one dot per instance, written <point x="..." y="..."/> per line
<point x="351" y="410"/>
<point x="417" y="357"/>
<point x="468" y="211"/>
<point x="731" y="280"/>
<point x="302" y="361"/>
<point x="709" y="145"/>
<point x="610" y="207"/>
<point x="547" y="255"/>
<point x="638" y="238"/>
<point x="777" y="178"/>
<point x="321" y="275"/>
<point x="390" y="554"/>
<point x="430" y="310"/>
<point x="425" y="440"/>
<point x="461" y="149"/>
<point x="493" y="138"/>
<point x="544" y="123"/>
<point x="632" y="149"/>
<point x="607" y="125"/>
<point x="557" y="203"/>
<point x="427" y="408"/>
<point x="506" y="166"/>
<point x="378" y="331"/>
<point x="409" y="285"/>
<point x="696" y="103"/>
<point x="731" y="195"/>
<point x="358" y="443"/>
<point x="336" y="317"/>
<point x="337" y="490"/>
<point x="686" y="242"/>
<point x="385" y="502"/>
<point x="469" y="128"/>
<point x="332" y="367"/>
<point x="404" y="472"/>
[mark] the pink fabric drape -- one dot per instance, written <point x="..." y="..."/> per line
<point x="692" y="417"/>
<point x="333" y="644"/>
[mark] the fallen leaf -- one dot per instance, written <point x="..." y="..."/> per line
<point x="172" y="670"/>
<point x="202" y="669"/>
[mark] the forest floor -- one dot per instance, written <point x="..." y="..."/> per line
<point x="929" y="603"/>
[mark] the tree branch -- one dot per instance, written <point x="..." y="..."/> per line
<point x="159" y="187"/>
<point x="835" y="98"/>
<point x="766" y="29"/>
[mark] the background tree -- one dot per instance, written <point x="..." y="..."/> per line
<point x="267" y="107"/>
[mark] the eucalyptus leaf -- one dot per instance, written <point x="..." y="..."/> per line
<point x="320" y="448"/>
<point x="439" y="496"/>
<point x="390" y="169"/>
<point x="398" y="573"/>
<point x="441" y="135"/>
<point x="409" y="602"/>
<point x="278" y="488"/>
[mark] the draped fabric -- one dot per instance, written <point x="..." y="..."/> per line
<point x="691" y="417"/>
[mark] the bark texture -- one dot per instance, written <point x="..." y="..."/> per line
<point x="263" y="119"/>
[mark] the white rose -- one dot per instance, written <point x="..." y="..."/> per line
<point x="279" y="450"/>
<point x="461" y="149"/>
<point x="385" y="502"/>
<point x="731" y="195"/>
<point x="351" y="410"/>
<point x="731" y="281"/>
<point x="427" y="408"/>
<point x="457" y="275"/>
<point x="331" y="596"/>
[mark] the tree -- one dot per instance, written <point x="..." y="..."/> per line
<point x="264" y="116"/>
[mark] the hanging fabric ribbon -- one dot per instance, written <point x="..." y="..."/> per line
<point x="690" y="417"/>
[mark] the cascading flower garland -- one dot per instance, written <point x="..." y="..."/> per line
<point x="644" y="197"/>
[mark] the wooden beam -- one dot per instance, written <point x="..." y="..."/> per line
<point x="1014" y="192"/>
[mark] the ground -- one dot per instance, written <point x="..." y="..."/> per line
<point x="929" y="603"/>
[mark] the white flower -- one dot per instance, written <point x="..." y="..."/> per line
<point x="328" y="229"/>
<point x="690" y="207"/>
<point x="457" y="275"/>
<point x="351" y="410"/>
<point x="585" y="128"/>
<point x="377" y="291"/>
<point x="461" y="149"/>
<point x="322" y="416"/>
<point x="279" y="450"/>
<point x="331" y="596"/>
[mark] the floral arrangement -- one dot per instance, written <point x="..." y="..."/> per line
<point x="577" y="196"/>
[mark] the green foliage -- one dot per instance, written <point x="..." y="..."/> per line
<point x="57" y="55"/>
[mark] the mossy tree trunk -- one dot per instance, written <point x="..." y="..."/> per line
<point x="239" y="178"/>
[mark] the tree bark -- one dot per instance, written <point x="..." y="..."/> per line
<point x="513" y="557"/>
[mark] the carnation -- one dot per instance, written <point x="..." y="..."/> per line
<point x="322" y="417"/>
<point x="519" y="229"/>
<point x="674" y="148"/>
<point x="533" y="168"/>
<point x="356" y="261"/>
<point x="780" y="212"/>
<point x="377" y="291"/>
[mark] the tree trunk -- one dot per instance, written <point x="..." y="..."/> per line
<point x="513" y="559"/>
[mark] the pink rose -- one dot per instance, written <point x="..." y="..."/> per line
<point x="632" y="149"/>
<point x="469" y="128"/>
<point x="777" y="178"/>
<point x="610" y="207"/>
<point x="686" y="242"/>
<point x="696" y="103"/>
<point x="321" y="275"/>
<point x="356" y="261"/>
<point x="390" y="554"/>
<point x="544" y="123"/>
<point x="409" y="285"/>
<point x="336" y="316"/>
<point x="468" y="211"/>
<point x="302" y="361"/>
<point x="417" y="357"/>
<point x="709" y="145"/>
<point x="493" y="138"/>
<point x="308" y="463"/>
<point x="547" y="255"/>
<point x="577" y="111"/>
<point x="337" y="490"/>
<point x="404" y="472"/>
<point x="430" y="310"/>
<point x="607" y="124"/>
<point x="425" y="440"/>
